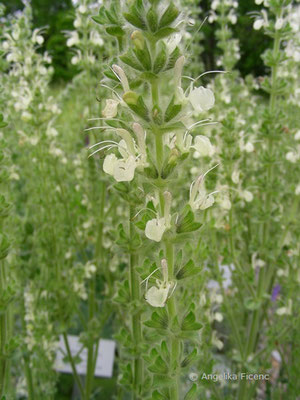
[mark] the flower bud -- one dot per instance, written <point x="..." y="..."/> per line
<point x="138" y="39"/>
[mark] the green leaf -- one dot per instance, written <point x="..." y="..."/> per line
<point x="172" y="110"/>
<point x="159" y="320"/>
<point x="173" y="57"/>
<point x="136" y="103"/>
<point x="161" y="58"/>
<point x="4" y="246"/>
<point x="164" y="350"/>
<point x="164" y="32"/>
<point x="101" y="18"/>
<point x="188" y="270"/>
<point x="159" y="366"/>
<point x="189" y="358"/>
<point x="157" y="115"/>
<point x="169" y="16"/>
<point x="189" y="323"/>
<point x="252" y="304"/>
<point x="152" y="19"/>
<point x="191" y="394"/>
<point x="130" y="60"/>
<point x="134" y="16"/>
<point x="156" y="395"/>
<point x="144" y="57"/>
<point x="3" y="124"/>
<point x="186" y="221"/>
<point x="115" y="31"/>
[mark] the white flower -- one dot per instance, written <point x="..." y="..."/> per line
<point x="203" y="146"/>
<point x="246" y="195"/>
<point x="77" y="22"/>
<point x="258" y="24"/>
<point x="279" y="23"/>
<point x="216" y="341"/>
<point x="36" y="38"/>
<point x="124" y="169"/>
<point x="215" y="4"/>
<point x="82" y="9"/>
<point x="5" y="45"/>
<point x="218" y="317"/>
<point x="111" y="108"/>
<point x="157" y="297"/>
<point x="297" y="191"/>
<point x="155" y="229"/>
<point x="202" y="99"/>
<point x="248" y="147"/>
<point x="285" y="310"/>
<point x="232" y="18"/>
<point x="51" y="131"/>
<point x="262" y="21"/>
<point x="199" y="199"/>
<point x="224" y="202"/>
<point x="121" y="169"/>
<point x="77" y="58"/>
<point x="292" y="156"/>
<point x="173" y="41"/>
<point x="297" y="135"/>
<point x="26" y="116"/>
<point x="235" y="176"/>
<point x="96" y="39"/>
<point x="73" y="39"/>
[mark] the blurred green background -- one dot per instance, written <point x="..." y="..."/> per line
<point x="58" y="15"/>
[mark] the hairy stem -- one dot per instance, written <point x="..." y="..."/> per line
<point x="136" y="316"/>
<point x="174" y="343"/>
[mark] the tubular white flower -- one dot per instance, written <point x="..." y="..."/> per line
<point x="224" y="202"/>
<point x="173" y="41"/>
<point x="111" y="108"/>
<point x="178" y="71"/>
<point x="121" y="76"/>
<point x="96" y="39"/>
<point x="203" y="146"/>
<point x="292" y="157"/>
<point x="279" y="23"/>
<point x="157" y="297"/>
<point x="201" y="99"/>
<point x="246" y="195"/>
<point x="155" y="229"/>
<point x="109" y="164"/>
<point x="199" y="199"/>
<point x="235" y="176"/>
<point x="124" y="169"/>
<point x="73" y="39"/>
<point x="36" y="37"/>
<point x="82" y="9"/>
<point x="141" y="139"/>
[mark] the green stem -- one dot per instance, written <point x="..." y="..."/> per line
<point x="92" y="299"/>
<point x="136" y="316"/>
<point x="29" y="380"/>
<point x="91" y="312"/>
<point x="159" y="147"/>
<point x="4" y="337"/>
<point x="26" y="358"/>
<point x="73" y="366"/>
<point x="263" y="273"/>
<point x="174" y="343"/>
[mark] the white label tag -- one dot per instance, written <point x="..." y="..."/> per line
<point x="105" y="357"/>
